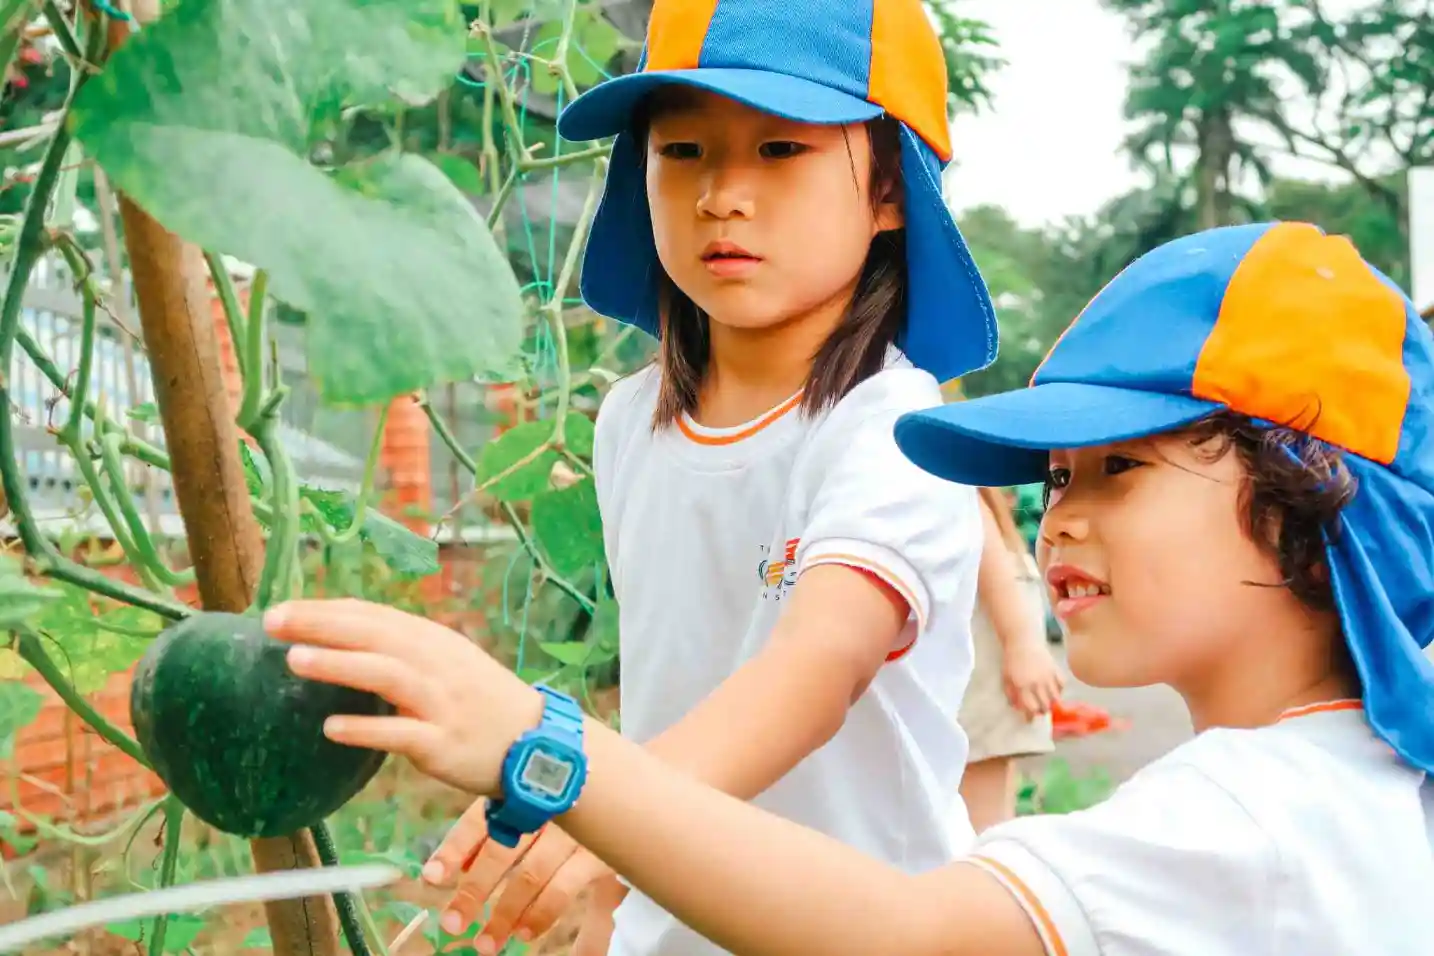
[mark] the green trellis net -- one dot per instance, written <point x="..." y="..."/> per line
<point x="551" y="606"/>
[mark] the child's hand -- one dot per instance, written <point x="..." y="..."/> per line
<point x="1033" y="681"/>
<point x="595" y="933"/>
<point x="459" y="711"/>
<point x="551" y="872"/>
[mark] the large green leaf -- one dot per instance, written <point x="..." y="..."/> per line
<point x="19" y="705"/>
<point x="568" y="527"/>
<point x="85" y="651"/>
<point x="208" y="119"/>
<point x="401" y="549"/>
<point x="20" y="599"/>
<point x="502" y="457"/>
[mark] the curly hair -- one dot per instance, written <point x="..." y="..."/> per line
<point x="1295" y="488"/>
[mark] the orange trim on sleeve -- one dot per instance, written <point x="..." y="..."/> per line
<point x="900" y="652"/>
<point x="1045" y="924"/>
<point x="894" y="588"/>
<point x="898" y="601"/>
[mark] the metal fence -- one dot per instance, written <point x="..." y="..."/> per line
<point x="120" y="378"/>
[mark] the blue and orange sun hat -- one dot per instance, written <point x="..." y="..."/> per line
<point x="814" y="61"/>
<point x="1284" y="324"/>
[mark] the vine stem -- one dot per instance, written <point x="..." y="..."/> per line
<point x="65" y="36"/>
<point x="31" y="243"/>
<point x="554" y="308"/>
<point x="32" y="651"/>
<point x="71" y="434"/>
<point x="253" y="348"/>
<point x="113" y="464"/>
<point x="370" y="472"/>
<point x="259" y="416"/>
<point x="280" y="551"/>
<point x="134" y="446"/>
<point x="233" y="315"/>
<point x="173" y="828"/>
<point x="354" y="916"/>
<point x="66" y="835"/>
<point x="116" y="503"/>
<point x="445" y="435"/>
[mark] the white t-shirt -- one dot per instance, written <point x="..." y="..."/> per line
<point x="1308" y="837"/>
<point x="706" y="532"/>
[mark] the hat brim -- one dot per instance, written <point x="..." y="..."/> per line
<point x="951" y="324"/>
<point x="607" y="109"/>
<point x="1006" y="439"/>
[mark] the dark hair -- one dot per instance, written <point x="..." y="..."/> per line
<point x="1293" y="492"/>
<point x="854" y="351"/>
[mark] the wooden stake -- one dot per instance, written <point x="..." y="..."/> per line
<point x="225" y="543"/>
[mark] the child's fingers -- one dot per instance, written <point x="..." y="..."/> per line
<point x="379" y="674"/>
<point x="460" y="846"/>
<point x="595" y="934"/>
<point x="346" y="623"/>
<point x="533" y="880"/>
<point x="396" y="735"/>
<point x="493" y="862"/>
<point x="595" y="931"/>
<point x="541" y="915"/>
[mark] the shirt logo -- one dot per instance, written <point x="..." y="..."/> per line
<point x="778" y="574"/>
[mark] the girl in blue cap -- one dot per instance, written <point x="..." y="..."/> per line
<point x="1234" y="438"/>
<point x="795" y="595"/>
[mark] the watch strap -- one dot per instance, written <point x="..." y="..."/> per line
<point x="508" y="820"/>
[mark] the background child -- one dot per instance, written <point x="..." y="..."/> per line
<point x="795" y="594"/>
<point x="1278" y="576"/>
<point x="1015" y="682"/>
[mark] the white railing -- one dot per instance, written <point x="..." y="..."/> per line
<point x="120" y="379"/>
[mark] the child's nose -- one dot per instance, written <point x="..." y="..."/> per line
<point x="726" y="194"/>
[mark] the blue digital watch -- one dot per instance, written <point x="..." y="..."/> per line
<point x="543" y="772"/>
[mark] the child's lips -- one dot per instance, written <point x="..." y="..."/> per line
<point x="1068" y="607"/>
<point x="1074" y="590"/>
<point x="731" y="266"/>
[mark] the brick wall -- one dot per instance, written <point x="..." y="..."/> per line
<point x="67" y="774"/>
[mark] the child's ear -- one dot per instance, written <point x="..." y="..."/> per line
<point x="890" y="207"/>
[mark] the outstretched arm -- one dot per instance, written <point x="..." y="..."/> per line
<point x="759" y="885"/>
<point x="1175" y="858"/>
<point x="793" y="696"/>
<point x="753" y="882"/>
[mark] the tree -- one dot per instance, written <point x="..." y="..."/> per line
<point x="1372" y="104"/>
<point x="1213" y="68"/>
<point x="971" y="55"/>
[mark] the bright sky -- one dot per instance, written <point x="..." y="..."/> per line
<point x="1050" y="146"/>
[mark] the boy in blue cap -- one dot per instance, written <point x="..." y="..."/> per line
<point x="1235" y="439"/>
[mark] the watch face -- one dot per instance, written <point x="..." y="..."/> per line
<point x="546" y="774"/>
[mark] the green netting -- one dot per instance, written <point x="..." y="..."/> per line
<point x="539" y="244"/>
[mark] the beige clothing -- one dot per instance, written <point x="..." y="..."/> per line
<point x="995" y="728"/>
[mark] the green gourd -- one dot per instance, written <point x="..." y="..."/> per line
<point x="237" y="736"/>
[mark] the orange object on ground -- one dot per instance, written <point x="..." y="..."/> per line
<point x="1077" y="719"/>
